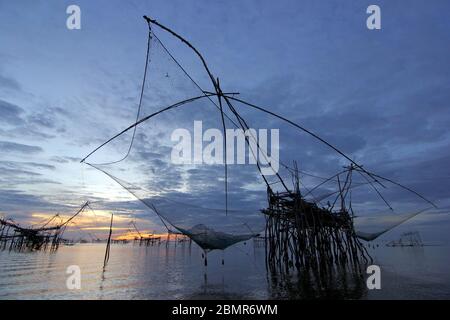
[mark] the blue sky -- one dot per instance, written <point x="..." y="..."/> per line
<point x="381" y="96"/>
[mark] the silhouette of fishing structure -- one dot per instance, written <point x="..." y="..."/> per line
<point x="17" y="238"/>
<point x="303" y="235"/>
<point x="142" y="239"/>
<point x="299" y="233"/>
<point x="407" y="239"/>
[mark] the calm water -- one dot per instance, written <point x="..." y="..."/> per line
<point x="159" y="272"/>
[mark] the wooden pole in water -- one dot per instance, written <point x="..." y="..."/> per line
<point x="108" y="244"/>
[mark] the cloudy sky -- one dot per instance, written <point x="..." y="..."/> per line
<point x="379" y="95"/>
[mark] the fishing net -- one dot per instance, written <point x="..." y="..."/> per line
<point x="173" y="155"/>
<point x="376" y="208"/>
<point x="371" y="227"/>
<point x="186" y="197"/>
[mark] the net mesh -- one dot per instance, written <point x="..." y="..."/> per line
<point x="187" y="198"/>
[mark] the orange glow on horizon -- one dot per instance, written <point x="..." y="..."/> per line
<point x="149" y="235"/>
<point x="99" y="225"/>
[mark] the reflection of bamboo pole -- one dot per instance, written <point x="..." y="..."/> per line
<point x="108" y="244"/>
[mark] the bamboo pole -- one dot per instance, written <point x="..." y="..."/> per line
<point x="108" y="244"/>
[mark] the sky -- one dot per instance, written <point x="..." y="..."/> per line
<point x="381" y="96"/>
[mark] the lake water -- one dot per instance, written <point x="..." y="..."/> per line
<point x="178" y="272"/>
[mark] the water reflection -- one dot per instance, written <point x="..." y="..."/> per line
<point x="343" y="283"/>
<point x="162" y="272"/>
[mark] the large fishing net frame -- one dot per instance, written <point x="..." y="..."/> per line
<point x="210" y="236"/>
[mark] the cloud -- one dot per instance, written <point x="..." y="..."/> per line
<point x="10" y="113"/>
<point x="22" y="124"/>
<point x="44" y="120"/>
<point x="16" y="174"/>
<point x="13" y="147"/>
<point x="20" y="204"/>
<point x="18" y="167"/>
<point x="9" y="83"/>
<point x="65" y="159"/>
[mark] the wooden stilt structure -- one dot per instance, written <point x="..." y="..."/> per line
<point x="15" y="237"/>
<point x="301" y="234"/>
